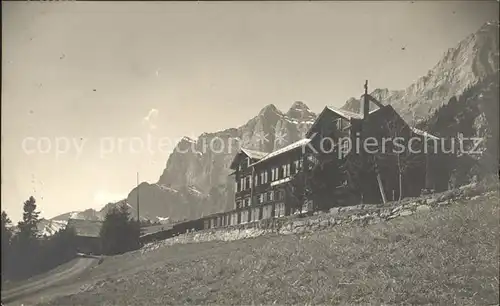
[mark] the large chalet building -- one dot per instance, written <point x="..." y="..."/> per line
<point x="261" y="182"/>
<point x="314" y="174"/>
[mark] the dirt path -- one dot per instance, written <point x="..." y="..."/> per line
<point x="30" y="288"/>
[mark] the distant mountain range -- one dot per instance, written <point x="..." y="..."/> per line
<point x="196" y="183"/>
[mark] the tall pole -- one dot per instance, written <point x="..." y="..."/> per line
<point x="364" y="112"/>
<point x="138" y="220"/>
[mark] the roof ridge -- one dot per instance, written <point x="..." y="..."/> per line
<point x="286" y="148"/>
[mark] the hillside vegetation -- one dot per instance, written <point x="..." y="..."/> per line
<point x="447" y="256"/>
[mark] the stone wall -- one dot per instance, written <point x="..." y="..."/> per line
<point x="357" y="215"/>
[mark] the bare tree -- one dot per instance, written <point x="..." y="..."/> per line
<point x="398" y="148"/>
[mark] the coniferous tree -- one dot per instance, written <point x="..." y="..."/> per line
<point x="28" y="231"/>
<point x="6" y="242"/>
<point x="28" y="253"/>
<point x="6" y="231"/>
<point x="119" y="233"/>
<point x="25" y="244"/>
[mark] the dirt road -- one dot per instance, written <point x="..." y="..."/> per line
<point x="61" y="277"/>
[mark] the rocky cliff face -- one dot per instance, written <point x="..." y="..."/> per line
<point x="471" y="61"/>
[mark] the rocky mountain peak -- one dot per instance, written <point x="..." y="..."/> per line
<point x="269" y="109"/>
<point x="299" y="105"/>
<point x="470" y="61"/>
<point x="299" y="110"/>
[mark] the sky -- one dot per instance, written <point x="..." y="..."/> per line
<point x="86" y="84"/>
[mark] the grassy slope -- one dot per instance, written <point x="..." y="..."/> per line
<point x="447" y="256"/>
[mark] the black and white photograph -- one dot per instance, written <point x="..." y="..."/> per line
<point x="250" y="153"/>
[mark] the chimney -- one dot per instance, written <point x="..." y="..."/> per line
<point x="366" y="102"/>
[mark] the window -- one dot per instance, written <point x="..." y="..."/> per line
<point x="267" y="211"/>
<point x="238" y="204"/>
<point x="255" y="214"/>
<point x="263" y="177"/>
<point x="247" y="202"/>
<point x="275" y="174"/>
<point x="280" y="210"/>
<point x="244" y="216"/>
<point x="256" y="179"/>
<point x="271" y="195"/>
<point x="339" y="124"/>
<point x="249" y="181"/>
<point x="296" y="166"/>
<point x="243" y="183"/>
<point x="261" y="198"/>
<point x="278" y="195"/>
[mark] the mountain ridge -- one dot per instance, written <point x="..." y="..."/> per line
<point x="473" y="59"/>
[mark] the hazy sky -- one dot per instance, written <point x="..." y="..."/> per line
<point x="88" y="73"/>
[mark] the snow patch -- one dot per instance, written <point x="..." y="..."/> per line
<point x="166" y="188"/>
<point x="51" y="227"/>
<point x="185" y="138"/>
<point x="424" y="133"/>
<point x="194" y="191"/>
<point x="163" y="220"/>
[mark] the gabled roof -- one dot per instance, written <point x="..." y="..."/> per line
<point x="288" y="148"/>
<point x="253" y="154"/>
<point x="344" y="113"/>
<point x="348" y="115"/>
<point x="85" y="228"/>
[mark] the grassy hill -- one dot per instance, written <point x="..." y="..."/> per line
<point x="445" y="256"/>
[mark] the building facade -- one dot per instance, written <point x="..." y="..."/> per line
<point x="261" y="183"/>
<point x="328" y="168"/>
<point x="87" y="233"/>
